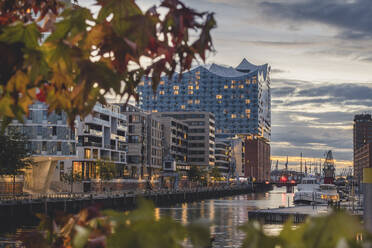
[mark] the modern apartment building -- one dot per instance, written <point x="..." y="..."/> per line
<point x="50" y="139"/>
<point x="200" y="138"/>
<point x="240" y="97"/>
<point x="229" y="153"/>
<point x="362" y="143"/>
<point x="144" y="143"/>
<point x="101" y="136"/>
<point x="175" y="140"/>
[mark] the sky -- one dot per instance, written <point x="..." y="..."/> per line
<point x="320" y="52"/>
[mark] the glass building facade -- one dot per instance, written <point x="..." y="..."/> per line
<point x="240" y="98"/>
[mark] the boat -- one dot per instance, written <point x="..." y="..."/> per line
<point x="310" y="191"/>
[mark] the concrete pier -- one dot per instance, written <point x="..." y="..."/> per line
<point x="281" y="215"/>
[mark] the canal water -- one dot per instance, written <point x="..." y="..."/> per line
<point x="226" y="214"/>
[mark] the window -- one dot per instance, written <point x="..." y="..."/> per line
<point x="183" y="107"/>
<point x="226" y="87"/>
<point x="197" y="101"/>
<point x="197" y="87"/>
<point x="141" y="84"/>
<point x="190" y="87"/>
<point x="189" y="101"/>
<point x="218" y="96"/>
<point x="175" y="92"/>
<point x="247" y="111"/>
<point x="241" y="86"/>
<point x="86" y="153"/>
<point x="59" y="146"/>
<point x="154" y="111"/>
<point x="161" y="92"/>
<point x="54" y="131"/>
<point x="176" y="87"/>
<point x="247" y="81"/>
<point x="190" y="92"/>
<point x="44" y="146"/>
<point x="95" y="153"/>
<point x="233" y="116"/>
<point x="161" y="83"/>
<point x="247" y="101"/>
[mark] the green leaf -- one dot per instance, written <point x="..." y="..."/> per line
<point x="81" y="236"/>
<point x="24" y="33"/>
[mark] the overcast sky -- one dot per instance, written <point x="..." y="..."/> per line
<point x="320" y="52"/>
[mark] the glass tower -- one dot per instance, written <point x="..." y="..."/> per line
<point x="240" y="98"/>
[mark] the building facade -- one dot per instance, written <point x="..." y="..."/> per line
<point x="200" y="138"/>
<point x="50" y="139"/>
<point x="257" y="166"/>
<point x="362" y="136"/>
<point x="101" y="136"/>
<point x="145" y="150"/>
<point x="240" y="98"/>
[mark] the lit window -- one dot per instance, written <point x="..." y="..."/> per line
<point x="247" y="111"/>
<point x="197" y="73"/>
<point x="161" y="92"/>
<point x="86" y="153"/>
<point x="196" y="82"/>
<point x="176" y="87"/>
<point x="190" y="92"/>
<point x="241" y="116"/>
<point x="226" y="87"/>
<point x="175" y="92"/>
<point x="225" y="111"/>
<point x="141" y="84"/>
<point x="154" y="111"/>
<point x="232" y="86"/>
<point x="233" y="116"/>
<point x="183" y="106"/>
<point x="189" y="101"/>
<point x="161" y="83"/>
<point x="197" y="87"/>
<point x="247" y="81"/>
<point x="241" y="96"/>
<point x="197" y="101"/>
<point x="233" y="81"/>
<point x="247" y="101"/>
<point x="190" y="87"/>
<point x="218" y="96"/>
<point x="241" y="86"/>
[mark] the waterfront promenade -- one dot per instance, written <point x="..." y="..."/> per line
<point x="17" y="209"/>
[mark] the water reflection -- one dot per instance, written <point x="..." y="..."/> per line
<point x="225" y="215"/>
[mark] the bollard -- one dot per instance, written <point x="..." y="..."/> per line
<point x="367" y="181"/>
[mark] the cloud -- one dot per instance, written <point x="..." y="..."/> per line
<point x="311" y="117"/>
<point x="352" y="18"/>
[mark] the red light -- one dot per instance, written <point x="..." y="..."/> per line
<point x="283" y="179"/>
<point x="267" y="182"/>
<point x="293" y="181"/>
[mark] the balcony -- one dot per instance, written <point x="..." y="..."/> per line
<point x="90" y="143"/>
<point x="93" y="132"/>
<point x="118" y="137"/>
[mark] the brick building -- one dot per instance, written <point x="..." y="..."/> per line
<point x="257" y="159"/>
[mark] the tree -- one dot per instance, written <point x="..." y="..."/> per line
<point x="107" y="170"/>
<point x="196" y="174"/>
<point x="87" y="56"/>
<point x="15" y="156"/>
<point x="71" y="178"/>
<point x="215" y="173"/>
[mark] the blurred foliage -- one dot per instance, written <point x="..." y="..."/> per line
<point x="140" y="228"/>
<point x="70" y="178"/>
<point x="337" y="229"/>
<point x="61" y="54"/>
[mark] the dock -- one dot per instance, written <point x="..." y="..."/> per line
<point x="282" y="214"/>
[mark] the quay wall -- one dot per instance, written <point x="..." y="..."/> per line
<point x="23" y="211"/>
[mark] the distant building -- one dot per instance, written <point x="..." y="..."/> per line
<point x="229" y="153"/>
<point x="240" y="98"/>
<point x="50" y="139"/>
<point x="362" y="159"/>
<point x="362" y="138"/>
<point x="200" y="140"/>
<point x="257" y="159"/>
